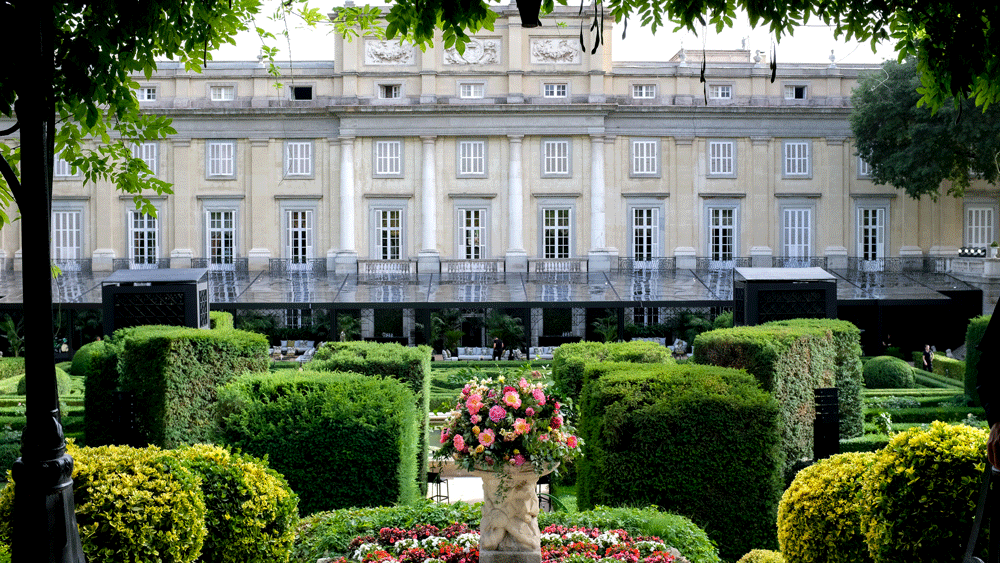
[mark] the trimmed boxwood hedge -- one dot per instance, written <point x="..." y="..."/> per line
<point x="570" y="361"/>
<point x="702" y="441"/>
<point x="888" y="372"/>
<point x="339" y="439"/>
<point x="973" y="336"/>
<point x="411" y="366"/>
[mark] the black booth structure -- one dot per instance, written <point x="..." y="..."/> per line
<point x="761" y="295"/>
<point x="167" y="296"/>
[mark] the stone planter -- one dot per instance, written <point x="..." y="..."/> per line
<point x="508" y="532"/>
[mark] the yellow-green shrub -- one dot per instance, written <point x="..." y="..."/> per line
<point x="131" y="505"/>
<point x="887" y="372"/>
<point x="920" y="495"/>
<point x="251" y="511"/>
<point x="762" y="556"/>
<point x="62" y="383"/>
<point x="819" y="517"/>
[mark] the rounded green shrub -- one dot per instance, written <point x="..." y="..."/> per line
<point x="84" y="357"/>
<point x="819" y="517"/>
<point x="919" y="498"/>
<point x="62" y="383"/>
<point x="761" y="556"/>
<point x="251" y="511"/>
<point x="887" y="372"/>
<point x="131" y="505"/>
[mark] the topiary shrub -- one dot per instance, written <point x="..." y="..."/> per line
<point x="62" y="383"/>
<point x="919" y="498"/>
<point x="973" y="336"/>
<point x="819" y="517"/>
<point x="887" y="372"/>
<point x="84" y="358"/>
<point x="570" y="361"/>
<point x="220" y="320"/>
<point x="762" y="556"/>
<point x="11" y="367"/>
<point x="251" y="511"/>
<point x="131" y="505"/>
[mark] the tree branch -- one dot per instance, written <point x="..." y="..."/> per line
<point x="15" y="127"/>
<point x="10" y="178"/>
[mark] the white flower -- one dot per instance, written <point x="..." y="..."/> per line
<point x="431" y="542"/>
<point x="572" y="537"/>
<point x="647" y="547"/>
<point x="364" y="549"/>
<point x="403" y="544"/>
<point x="467" y="540"/>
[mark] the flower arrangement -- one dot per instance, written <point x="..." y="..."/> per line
<point x="509" y="422"/>
<point x="460" y="544"/>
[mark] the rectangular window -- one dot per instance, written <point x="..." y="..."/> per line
<point x="722" y="233"/>
<point x="979" y="226"/>
<point x="644" y="91"/>
<point x="864" y="169"/>
<point x="797" y="232"/>
<point x="221" y="157"/>
<point x="720" y="92"/>
<point x="301" y="93"/>
<point x="389" y="234"/>
<point x="645" y="233"/>
<point x="555" y="233"/>
<point x="222" y="93"/>
<point x="144" y="250"/>
<point x="389" y="91"/>
<point x="471" y="90"/>
<point x="146" y="93"/>
<point x="220" y="227"/>
<point x="299" y="237"/>
<point x="555" y="157"/>
<point x="67" y="235"/>
<point x="554" y="90"/>
<point x="298" y="158"/>
<point x="721" y="161"/>
<point x="473" y="239"/>
<point x="388" y="158"/>
<point x="871" y="233"/>
<point x="472" y="158"/>
<point x="793" y="92"/>
<point x="63" y="169"/>
<point x="147" y="153"/>
<point x="644" y="158"/>
<point x="796" y="158"/>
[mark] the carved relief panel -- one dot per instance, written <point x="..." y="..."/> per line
<point x="555" y="51"/>
<point x="477" y="52"/>
<point x="388" y="53"/>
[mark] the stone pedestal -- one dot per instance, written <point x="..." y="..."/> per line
<point x="516" y="261"/>
<point x="347" y="262"/>
<point x="508" y="532"/>
<point x="685" y="258"/>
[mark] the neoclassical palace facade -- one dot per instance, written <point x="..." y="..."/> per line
<point x="524" y="149"/>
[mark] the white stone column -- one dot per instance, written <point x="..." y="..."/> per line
<point x="517" y="257"/>
<point x="347" y="257"/>
<point x="429" y="258"/>
<point x="600" y="257"/>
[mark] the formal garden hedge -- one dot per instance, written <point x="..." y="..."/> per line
<point x="887" y="372"/>
<point x="198" y="504"/>
<point x="943" y="365"/>
<point x="973" y="336"/>
<point x="791" y="359"/>
<point x="411" y="366"/>
<point x="570" y="361"/>
<point x="702" y="441"/>
<point x="341" y="440"/>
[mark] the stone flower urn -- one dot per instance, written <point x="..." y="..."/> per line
<point x="508" y="532"/>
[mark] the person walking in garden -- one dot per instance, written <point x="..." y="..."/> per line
<point x="928" y="358"/>
<point x="497" y="348"/>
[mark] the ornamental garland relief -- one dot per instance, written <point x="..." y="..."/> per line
<point x="477" y="52"/>
<point x="555" y="51"/>
<point x="388" y="53"/>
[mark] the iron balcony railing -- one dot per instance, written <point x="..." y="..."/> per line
<point x="238" y="265"/>
<point x="131" y="264"/>
<point x="281" y="266"/>
<point x="629" y="265"/>
<point x="557" y="265"/>
<point x="798" y="262"/>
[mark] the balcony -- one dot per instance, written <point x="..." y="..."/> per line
<point x="557" y="265"/>
<point x="282" y="266"/>
<point x="631" y="265"/>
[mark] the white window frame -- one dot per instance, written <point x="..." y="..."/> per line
<point x="646" y="222"/>
<point x="222" y="92"/>
<point x="299" y="159"/>
<point x="471" y="90"/>
<point x="644" y="158"/>
<point x="715" y="211"/>
<point x="294" y="89"/>
<point x="556" y="157"/>
<point x="644" y="91"/>
<point x="979" y="221"/>
<point x="796" y="159"/>
<point x="473" y="232"/>
<point x="556" y="228"/>
<point x="555" y="90"/>
<point x="381" y="233"/>
<point x="864" y="169"/>
<point x="63" y="170"/>
<point x="470" y="157"/>
<point x="878" y="209"/>
<point x="382" y="88"/>
<point x="148" y="152"/>
<point x="221" y="239"/>
<point x="388" y="158"/>
<point x="795" y="91"/>
<point x="299" y="219"/>
<point x="148" y="227"/>
<point x="220" y="159"/>
<point x="721" y="154"/>
<point x="68" y="229"/>
<point x="720" y="91"/>
<point x="147" y="93"/>
<point x="798" y="224"/>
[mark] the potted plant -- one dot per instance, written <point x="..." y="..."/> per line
<point x="994" y="246"/>
<point x="510" y="431"/>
